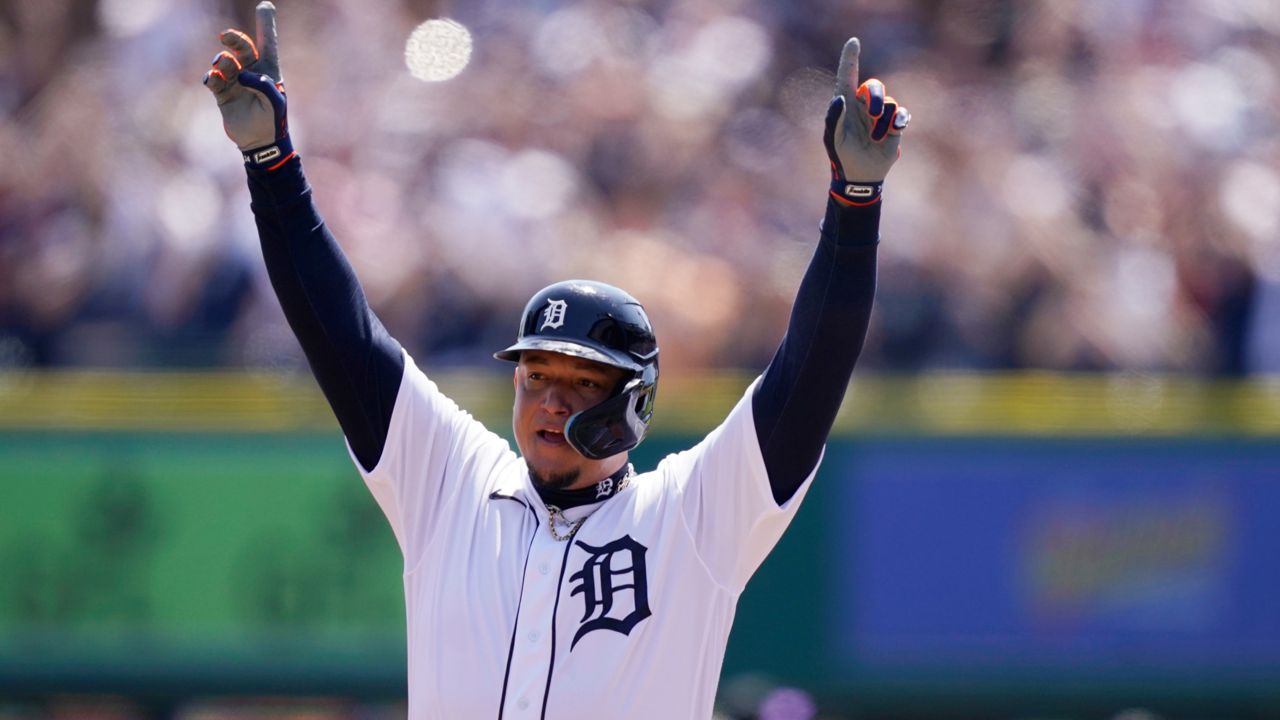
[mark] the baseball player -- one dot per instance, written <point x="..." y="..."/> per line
<point x="557" y="581"/>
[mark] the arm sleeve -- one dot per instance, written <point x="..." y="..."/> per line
<point x="796" y="401"/>
<point x="358" y="365"/>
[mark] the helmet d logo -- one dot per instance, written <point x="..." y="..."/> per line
<point x="553" y="316"/>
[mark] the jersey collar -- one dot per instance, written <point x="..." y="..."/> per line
<point x="520" y="486"/>
<point x="603" y="490"/>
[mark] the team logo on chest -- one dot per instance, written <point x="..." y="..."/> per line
<point x="612" y="574"/>
<point x="553" y="316"/>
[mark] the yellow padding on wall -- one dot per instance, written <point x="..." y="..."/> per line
<point x="1035" y="404"/>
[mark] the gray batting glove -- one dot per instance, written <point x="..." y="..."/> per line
<point x="863" y="147"/>
<point x="246" y="81"/>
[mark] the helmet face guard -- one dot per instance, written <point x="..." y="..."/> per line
<point x="617" y="424"/>
<point x="602" y="323"/>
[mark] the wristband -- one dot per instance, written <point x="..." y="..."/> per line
<point x="856" y="193"/>
<point x="269" y="157"/>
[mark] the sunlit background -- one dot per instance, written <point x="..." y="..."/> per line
<point x="1050" y="493"/>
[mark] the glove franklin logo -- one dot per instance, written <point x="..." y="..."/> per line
<point x="609" y="571"/>
<point x="270" y="153"/>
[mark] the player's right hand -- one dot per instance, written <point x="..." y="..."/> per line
<point x="246" y="81"/>
<point x="863" y="133"/>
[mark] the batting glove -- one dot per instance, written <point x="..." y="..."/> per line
<point x="246" y="81"/>
<point x="864" y="147"/>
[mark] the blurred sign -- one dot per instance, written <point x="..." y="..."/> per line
<point x="1152" y="557"/>
<point x="130" y="557"/>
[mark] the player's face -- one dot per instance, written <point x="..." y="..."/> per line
<point x="551" y="387"/>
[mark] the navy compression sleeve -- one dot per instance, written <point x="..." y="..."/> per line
<point x="796" y="401"/>
<point x="356" y="362"/>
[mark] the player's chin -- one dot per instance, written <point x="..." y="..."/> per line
<point x="555" y="476"/>
<point x="555" y="458"/>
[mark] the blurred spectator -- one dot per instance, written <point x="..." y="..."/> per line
<point x="1086" y="186"/>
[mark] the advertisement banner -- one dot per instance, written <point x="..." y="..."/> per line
<point x="1135" y="557"/>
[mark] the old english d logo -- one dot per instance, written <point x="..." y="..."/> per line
<point x="553" y="316"/>
<point x="609" y="570"/>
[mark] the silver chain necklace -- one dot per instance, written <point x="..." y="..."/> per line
<point x="554" y="513"/>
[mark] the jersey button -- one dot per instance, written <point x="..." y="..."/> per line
<point x="522" y="703"/>
<point x="544" y="568"/>
<point x="533" y="636"/>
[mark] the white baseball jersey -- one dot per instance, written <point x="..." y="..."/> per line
<point x="628" y="619"/>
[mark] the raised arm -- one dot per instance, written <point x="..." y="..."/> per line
<point x="796" y="402"/>
<point x="357" y="364"/>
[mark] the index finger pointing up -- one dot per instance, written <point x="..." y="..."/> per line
<point x="847" y="74"/>
<point x="268" y="43"/>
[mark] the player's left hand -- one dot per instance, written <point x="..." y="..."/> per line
<point x="862" y="144"/>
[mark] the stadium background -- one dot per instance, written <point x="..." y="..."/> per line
<point x="1053" y="488"/>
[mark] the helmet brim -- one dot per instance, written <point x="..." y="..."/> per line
<point x="565" y="347"/>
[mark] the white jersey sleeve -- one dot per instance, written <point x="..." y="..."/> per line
<point x="726" y="499"/>
<point x="437" y="459"/>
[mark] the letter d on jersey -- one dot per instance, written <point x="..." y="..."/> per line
<point x="598" y="587"/>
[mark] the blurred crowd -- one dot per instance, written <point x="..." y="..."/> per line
<point x="1085" y="185"/>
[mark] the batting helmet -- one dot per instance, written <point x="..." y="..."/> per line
<point x="598" y="322"/>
